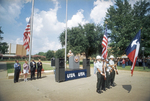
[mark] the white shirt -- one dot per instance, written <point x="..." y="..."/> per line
<point x="111" y="62"/>
<point x="108" y="67"/>
<point x="99" y="66"/>
<point x="70" y="54"/>
<point x="33" y="64"/>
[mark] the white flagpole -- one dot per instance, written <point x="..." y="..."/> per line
<point x="31" y="31"/>
<point x="66" y="37"/>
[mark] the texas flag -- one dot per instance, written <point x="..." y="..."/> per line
<point x="133" y="50"/>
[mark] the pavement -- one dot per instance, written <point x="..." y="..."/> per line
<point x="136" y="88"/>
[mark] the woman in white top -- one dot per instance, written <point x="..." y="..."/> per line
<point x="25" y="70"/>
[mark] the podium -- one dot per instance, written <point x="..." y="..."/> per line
<point x="74" y="62"/>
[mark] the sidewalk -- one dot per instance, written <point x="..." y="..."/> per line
<point x="136" y="88"/>
<point x="3" y="70"/>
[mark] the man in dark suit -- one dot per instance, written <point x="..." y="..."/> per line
<point x="17" y="68"/>
<point x="32" y="68"/>
<point x="39" y="68"/>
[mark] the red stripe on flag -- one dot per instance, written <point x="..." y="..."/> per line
<point x="26" y="38"/>
<point x="104" y="44"/>
<point x="131" y="55"/>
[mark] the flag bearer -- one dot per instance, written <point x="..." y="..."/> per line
<point x="99" y="74"/>
<point x="103" y="71"/>
<point x="112" y="64"/>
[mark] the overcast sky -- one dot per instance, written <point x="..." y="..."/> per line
<point x="49" y="19"/>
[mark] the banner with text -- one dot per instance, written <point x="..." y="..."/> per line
<point x="75" y="74"/>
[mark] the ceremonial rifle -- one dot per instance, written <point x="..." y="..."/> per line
<point x="114" y="68"/>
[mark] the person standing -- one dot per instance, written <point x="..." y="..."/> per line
<point x="99" y="74"/>
<point x="148" y="62"/>
<point x="25" y="70"/>
<point x="70" y="53"/>
<point x="112" y="64"/>
<point x="130" y="63"/>
<point x="126" y="62"/>
<point x="95" y="69"/>
<point x="104" y="72"/>
<point x="118" y="61"/>
<point x="137" y="61"/>
<point x="123" y="63"/>
<point x="17" y="68"/>
<point x="39" y="68"/>
<point x="32" y="68"/>
<point x="140" y="61"/>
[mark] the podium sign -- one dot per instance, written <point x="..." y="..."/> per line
<point x="74" y="62"/>
<point x="75" y="74"/>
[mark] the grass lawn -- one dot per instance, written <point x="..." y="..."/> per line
<point x="10" y="67"/>
<point x="137" y="68"/>
<point x="46" y="61"/>
<point x="47" y="67"/>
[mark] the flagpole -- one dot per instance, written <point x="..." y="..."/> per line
<point x="107" y="42"/>
<point x="31" y="31"/>
<point x="66" y="37"/>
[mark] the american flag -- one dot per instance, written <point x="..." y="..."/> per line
<point x="26" y="38"/>
<point x="104" y="44"/>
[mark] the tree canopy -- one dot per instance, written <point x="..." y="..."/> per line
<point x="1" y="32"/>
<point x="124" y="22"/>
<point x="84" y="39"/>
<point x="49" y="54"/>
<point x="60" y="53"/>
<point x="3" y="45"/>
<point x="41" y="53"/>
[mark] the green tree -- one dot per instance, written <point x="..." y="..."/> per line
<point x="1" y="32"/>
<point x="84" y="39"/>
<point x="42" y="54"/>
<point x="49" y="54"/>
<point x="124" y="23"/>
<point x="3" y="45"/>
<point x="60" y="53"/>
<point x="142" y="19"/>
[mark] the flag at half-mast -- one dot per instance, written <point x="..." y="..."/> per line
<point x="104" y="44"/>
<point x="133" y="50"/>
<point x="26" y="37"/>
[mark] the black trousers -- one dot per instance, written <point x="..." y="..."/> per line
<point x="16" y="75"/>
<point x="99" y="81"/>
<point x="148" y="65"/>
<point x="112" y="77"/>
<point x="107" y="79"/>
<point x="103" y="82"/>
<point x="33" y="73"/>
<point x="38" y="73"/>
